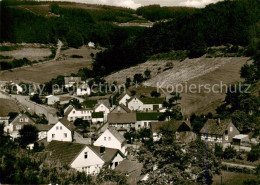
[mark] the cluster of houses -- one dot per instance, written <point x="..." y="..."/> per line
<point x="68" y="147"/>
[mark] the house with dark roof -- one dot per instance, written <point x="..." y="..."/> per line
<point x="180" y="128"/>
<point x="111" y="138"/>
<point x="97" y="117"/>
<point x="132" y="169"/>
<point x="63" y="130"/>
<point x="144" y="119"/>
<point x="17" y="124"/>
<point x="218" y="131"/>
<point x="122" y="120"/>
<point x="145" y="104"/>
<point x="121" y="109"/>
<point x="82" y="157"/>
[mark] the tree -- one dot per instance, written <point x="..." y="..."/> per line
<point x="74" y="39"/>
<point x="229" y="153"/>
<point x="218" y="150"/>
<point x="155" y="94"/>
<point x="54" y="8"/>
<point x="138" y="78"/>
<point x="36" y="99"/>
<point x="127" y="82"/>
<point x="75" y="103"/>
<point x="240" y="120"/>
<point x="28" y="134"/>
<point x="254" y="154"/>
<point x="147" y="73"/>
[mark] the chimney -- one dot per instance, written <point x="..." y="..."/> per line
<point x="102" y="149"/>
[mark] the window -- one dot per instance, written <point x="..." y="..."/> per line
<point x="53" y="135"/>
<point x="145" y="124"/>
<point x="21" y="119"/>
<point x="65" y="135"/>
<point x="18" y="127"/>
<point x="109" y="138"/>
<point x="85" y="155"/>
<point x="60" y="127"/>
<point x="231" y="129"/>
<point x="73" y="112"/>
<point x="57" y="128"/>
<point x="226" y="132"/>
<point x="226" y="137"/>
<point x="26" y="119"/>
<point x="105" y="138"/>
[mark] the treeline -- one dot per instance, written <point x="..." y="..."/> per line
<point x="156" y="12"/>
<point x="228" y="22"/>
<point x="74" y="27"/>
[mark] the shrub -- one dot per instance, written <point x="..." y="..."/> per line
<point x="229" y="153"/>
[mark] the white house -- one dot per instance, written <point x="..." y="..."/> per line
<point x="17" y="124"/>
<point x="83" y="90"/>
<point x="5" y="121"/>
<point x="120" y="109"/>
<point x="84" y="158"/>
<point x="145" y="104"/>
<point x="123" y="99"/>
<point x="111" y="139"/>
<point x="72" y="113"/>
<point x="144" y="119"/>
<point x="51" y="99"/>
<point x="43" y="130"/>
<point x="61" y="131"/>
<point x="102" y="107"/>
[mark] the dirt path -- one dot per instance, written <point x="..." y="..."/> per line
<point x="238" y="165"/>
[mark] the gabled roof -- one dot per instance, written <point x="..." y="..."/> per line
<point x="116" y="134"/>
<point x="67" y="124"/>
<point x="121" y="118"/>
<point x="217" y="127"/>
<point x="65" y="152"/>
<point x="122" y="95"/>
<point x="43" y="127"/>
<point x="104" y="102"/>
<point x="122" y="106"/>
<point x="140" y="116"/>
<point x="68" y="110"/>
<point x="108" y="154"/>
<point x="97" y="115"/>
<point x="16" y="121"/>
<point x="152" y="100"/>
<point x="172" y="125"/>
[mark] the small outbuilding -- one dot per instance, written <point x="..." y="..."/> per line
<point x="239" y="139"/>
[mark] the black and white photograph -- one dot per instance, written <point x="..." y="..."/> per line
<point x="130" y="92"/>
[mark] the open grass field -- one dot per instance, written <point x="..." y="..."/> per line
<point x="43" y="72"/>
<point x="7" y="106"/>
<point x="155" y="67"/>
<point x="232" y="178"/>
<point x="30" y="53"/>
<point x="190" y="72"/>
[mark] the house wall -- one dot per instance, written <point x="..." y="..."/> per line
<point x="84" y="114"/>
<point x="83" y="91"/>
<point x="59" y="130"/>
<point x="124" y="99"/>
<point x="104" y="109"/>
<point x="127" y="126"/>
<point x="212" y="138"/>
<point x="118" y="159"/>
<point x="42" y="134"/>
<point x="135" y="104"/>
<point x="91" y="165"/>
<point x="108" y="140"/>
<point x="232" y="131"/>
<point x="149" y="107"/>
<point x="96" y="120"/>
<point x="52" y="100"/>
<point x="144" y="124"/>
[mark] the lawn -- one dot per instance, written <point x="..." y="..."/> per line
<point x="232" y="178"/>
